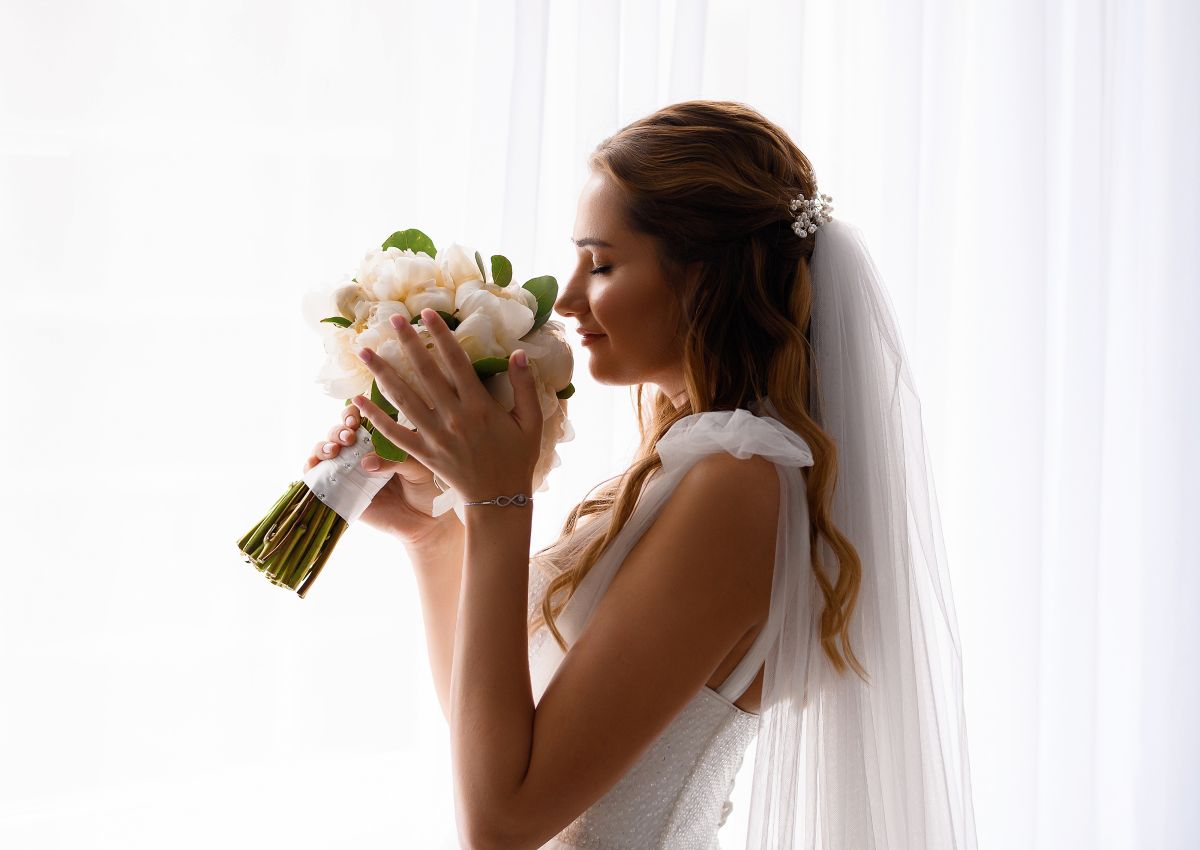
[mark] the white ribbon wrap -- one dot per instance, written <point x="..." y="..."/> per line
<point x="342" y="483"/>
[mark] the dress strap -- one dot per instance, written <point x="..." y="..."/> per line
<point x="743" y="674"/>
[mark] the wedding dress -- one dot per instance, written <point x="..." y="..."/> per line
<point x="841" y="762"/>
<point x="676" y="796"/>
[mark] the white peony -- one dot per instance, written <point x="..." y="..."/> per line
<point x="379" y="315"/>
<point x="458" y="265"/>
<point x="392" y="352"/>
<point x="343" y="373"/>
<point x="432" y="297"/>
<point x="499" y="386"/>
<point x="391" y="274"/>
<point x="315" y="306"/>
<point x="509" y="315"/>
<point x="548" y="348"/>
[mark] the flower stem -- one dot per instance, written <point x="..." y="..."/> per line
<point x="339" y="526"/>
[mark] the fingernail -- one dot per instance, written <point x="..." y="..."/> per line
<point x="350" y="421"/>
<point x="370" y="463"/>
<point x="328" y="448"/>
<point x="521" y="359"/>
<point x="345" y="435"/>
<point x="365" y="355"/>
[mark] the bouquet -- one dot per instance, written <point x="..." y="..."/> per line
<point x="489" y="318"/>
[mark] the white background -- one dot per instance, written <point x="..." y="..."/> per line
<point x="173" y="176"/>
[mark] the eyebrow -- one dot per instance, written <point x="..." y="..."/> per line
<point x="589" y="240"/>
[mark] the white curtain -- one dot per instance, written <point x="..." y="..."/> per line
<point x="173" y="177"/>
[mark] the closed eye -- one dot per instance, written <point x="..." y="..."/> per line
<point x="600" y="270"/>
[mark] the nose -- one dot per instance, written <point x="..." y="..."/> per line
<point x="572" y="300"/>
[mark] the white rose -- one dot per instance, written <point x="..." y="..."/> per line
<point x="458" y="264"/>
<point x="391" y="274"/>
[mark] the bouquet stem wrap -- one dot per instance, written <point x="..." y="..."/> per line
<point x="292" y="542"/>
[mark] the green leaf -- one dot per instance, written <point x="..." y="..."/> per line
<point x="340" y="321"/>
<point x="411" y="239"/>
<point x="501" y="270"/>
<point x="566" y="392"/>
<point x="546" y="290"/>
<point x="377" y="398"/>
<point x="450" y="319"/>
<point x="488" y="366"/>
<point x="479" y="262"/>
<point x="383" y="447"/>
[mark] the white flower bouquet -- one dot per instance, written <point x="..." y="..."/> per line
<point x="489" y="318"/>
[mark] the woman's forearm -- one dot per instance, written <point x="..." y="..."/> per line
<point x="437" y="562"/>
<point x="491" y="722"/>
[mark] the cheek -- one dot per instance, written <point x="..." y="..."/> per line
<point x="631" y="309"/>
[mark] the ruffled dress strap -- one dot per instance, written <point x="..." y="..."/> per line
<point x="739" y="432"/>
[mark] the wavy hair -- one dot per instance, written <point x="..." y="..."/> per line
<point x="711" y="182"/>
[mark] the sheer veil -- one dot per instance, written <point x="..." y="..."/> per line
<point x="842" y="763"/>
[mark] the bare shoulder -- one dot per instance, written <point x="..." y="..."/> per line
<point x="695" y="582"/>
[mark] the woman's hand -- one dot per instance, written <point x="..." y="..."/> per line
<point x="472" y="442"/>
<point x="404" y="507"/>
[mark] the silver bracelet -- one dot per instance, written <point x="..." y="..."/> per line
<point x="519" y="499"/>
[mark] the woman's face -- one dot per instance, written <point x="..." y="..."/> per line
<point x="617" y="289"/>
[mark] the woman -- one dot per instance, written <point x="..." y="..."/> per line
<point x="768" y="568"/>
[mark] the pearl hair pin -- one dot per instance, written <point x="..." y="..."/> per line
<point x="814" y="212"/>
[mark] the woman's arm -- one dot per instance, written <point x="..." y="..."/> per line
<point x="696" y="581"/>
<point x="491" y="721"/>
<point x="437" y="561"/>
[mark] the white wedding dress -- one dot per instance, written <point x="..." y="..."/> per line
<point x="676" y="796"/>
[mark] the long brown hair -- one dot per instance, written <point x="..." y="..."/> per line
<point x="711" y="181"/>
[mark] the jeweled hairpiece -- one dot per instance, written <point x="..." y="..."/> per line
<point x="813" y="213"/>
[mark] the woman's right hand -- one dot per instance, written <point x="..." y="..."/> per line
<point x="404" y="506"/>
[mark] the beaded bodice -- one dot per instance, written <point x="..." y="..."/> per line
<point x="677" y="794"/>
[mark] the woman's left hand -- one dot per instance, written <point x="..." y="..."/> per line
<point x="467" y="439"/>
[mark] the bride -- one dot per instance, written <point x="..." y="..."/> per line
<point x="769" y="567"/>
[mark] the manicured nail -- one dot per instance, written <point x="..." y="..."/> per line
<point x="370" y="463"/>
<point x="350" y="421"/>
<point x="328" y="448"/>
<point x="521" y="359"/>
<point x="346" y="435"/>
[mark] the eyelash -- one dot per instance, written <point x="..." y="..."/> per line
<point x="600" y="270"/>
